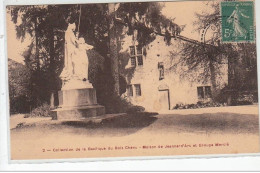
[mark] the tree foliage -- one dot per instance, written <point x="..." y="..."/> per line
<point x="210" y="54"/>
<point x="19" y="89"/>
<point x="46" y="25"/>
<point x="147" y="19"/>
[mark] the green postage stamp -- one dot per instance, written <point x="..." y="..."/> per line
<point x="238" y="21"/>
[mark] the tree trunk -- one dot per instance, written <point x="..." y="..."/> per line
<point x="113" y="47"/>
<point x="213" y="79"/>
<point x="36" y="44"/>
<point x="52" y="74"/>
<point x="230" y="72"/>
<point x="52" y="53"/>
<point x="52" y="66"/>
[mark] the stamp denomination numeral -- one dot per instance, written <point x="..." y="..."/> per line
<point x="227" y="33"/>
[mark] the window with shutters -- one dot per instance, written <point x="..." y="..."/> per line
<point x="207" y="92"/>
<point x="138" y="90"/>
<point x="161" y="70"/>
<point x="204" y="92"/>
<point x="130" y="90"/>
<point x="136" y="53"/>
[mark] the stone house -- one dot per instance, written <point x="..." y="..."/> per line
<point x="153" y="83"/>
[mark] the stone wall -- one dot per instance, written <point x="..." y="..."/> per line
<point x="181" y="89"/>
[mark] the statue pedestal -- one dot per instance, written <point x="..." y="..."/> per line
<point x="77" y="104"/>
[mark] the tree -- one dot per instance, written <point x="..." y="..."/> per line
<point x="18" y="78"/>
<point x="99" y="24"/>
<point x="210" y="54"/>
<point x="113" y="47"/>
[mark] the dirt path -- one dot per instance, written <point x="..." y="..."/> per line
<point x="135" y="135"/>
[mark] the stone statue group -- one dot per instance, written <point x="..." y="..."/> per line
<point x="75" y="71"/>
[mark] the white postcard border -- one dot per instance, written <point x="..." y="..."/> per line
<point x="120" y="162"/>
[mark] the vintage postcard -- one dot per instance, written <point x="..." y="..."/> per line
<point x="131" y="79"/>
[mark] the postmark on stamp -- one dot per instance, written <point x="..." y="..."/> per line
<point x="237" y="21"/>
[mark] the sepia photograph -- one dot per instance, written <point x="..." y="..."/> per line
<point x="132" y="79"/>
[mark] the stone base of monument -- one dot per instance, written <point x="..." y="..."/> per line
<point x="78" y="113"/>
<point x="77" y="104"/>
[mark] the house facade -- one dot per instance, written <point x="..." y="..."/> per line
<point x="157" y="82"/>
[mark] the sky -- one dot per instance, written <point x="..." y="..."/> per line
<point x="15" y="47"/>
<point x="183" y="12"/>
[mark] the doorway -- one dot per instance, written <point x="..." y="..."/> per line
<point x="164" y="99"/>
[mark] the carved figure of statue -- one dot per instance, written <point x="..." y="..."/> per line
<point x="80" y="59"/>
<point x="75" y="71"/>
<point x="70" y="47"/>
